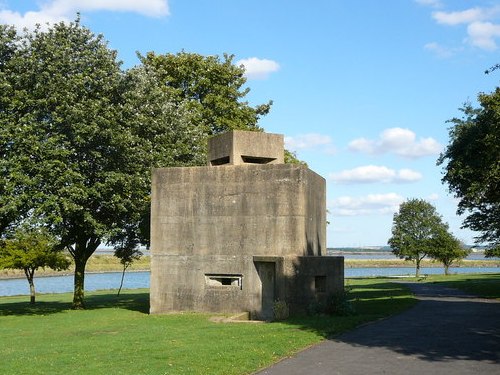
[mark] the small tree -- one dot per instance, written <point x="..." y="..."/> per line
<point x="416" y="231"/>
<point x="30" y="249"/>
<point x="449" y="249"/>
<point x="128" y="252"/>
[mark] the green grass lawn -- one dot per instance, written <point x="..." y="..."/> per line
<point x="115" y="335"/>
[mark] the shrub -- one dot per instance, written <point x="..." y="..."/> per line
<point x="280" y="310"/>
<point x="335" y="304"/>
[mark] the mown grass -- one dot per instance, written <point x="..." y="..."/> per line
<point x="115" y="335"/>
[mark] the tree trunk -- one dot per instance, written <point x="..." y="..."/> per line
<point x="446" y="269"/>
<point x="79" y="284"/>
<point x="82" y="252"/>
<point x="29" y="275"/>
<point x="417" y="268"/>
<point x="121" y="283"/>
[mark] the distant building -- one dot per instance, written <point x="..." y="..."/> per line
<point x="241" y="233"/>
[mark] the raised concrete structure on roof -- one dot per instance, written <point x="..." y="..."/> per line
<point x="241" y="233"/>
<point x="244" y="147"/>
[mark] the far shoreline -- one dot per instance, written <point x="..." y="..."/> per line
<point x="110" y="264"/>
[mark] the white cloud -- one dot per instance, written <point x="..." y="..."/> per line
<point x="375" y="174"/>
<point x="64" y="10"/>
<point x="442" y="51"/>
<point x="371" y="204"/>
<point x="465" y="16"/>
<point x="256" y="68"/>
<point x="408" y="175"/>
<point x="433" y="197"/>
<point x="482" y="30"/>
<point x="430" y="3"/>
<point x="483" y="34"/>
<point x="307" y="141"/>
<point x="402" y="142"/>
<point x="29" y="19"/>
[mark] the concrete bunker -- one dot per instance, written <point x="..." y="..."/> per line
<point x="241" y="233"/>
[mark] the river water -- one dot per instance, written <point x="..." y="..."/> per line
<point x="135" y="280"/>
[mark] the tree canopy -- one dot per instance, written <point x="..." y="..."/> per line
<point x="471" y="164"/>
<point x="418" y="231"/>
<point x="449" y="249"/>
<point x="212" y="86"/>
<point x="79" y="135"/>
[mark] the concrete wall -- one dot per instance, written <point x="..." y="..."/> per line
<point x="215" y="220"/>
<point x="241" y="233"/>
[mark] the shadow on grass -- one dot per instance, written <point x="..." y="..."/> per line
<point x="371" y="301"/>
<point x="485" y="286"/>
<point x="52" y="304"/>
<point x="445" y="324"/>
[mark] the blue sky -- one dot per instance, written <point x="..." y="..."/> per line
<point x="362" y="89"/>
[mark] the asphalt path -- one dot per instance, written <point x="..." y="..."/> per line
<point x="446" y="332"/>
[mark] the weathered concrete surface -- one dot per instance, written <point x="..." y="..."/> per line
<point x="240" y="233"/>
<point x="241" y="147"/>
<point x="447" y="332"/>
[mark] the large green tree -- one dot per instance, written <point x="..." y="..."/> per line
<point x="12" y="201"/>
<point x="31" y="248"/>
<point x="67" y="142"/>
<point x="471" y="163"/>
<point x="417" y="231"/>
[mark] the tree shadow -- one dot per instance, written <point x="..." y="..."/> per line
<point x="370" y="302"/>
<point x="129" y="300"/>
<point x="488" y="287"/>
<point x="436" y="329"/>
<point x="440" y="325"/>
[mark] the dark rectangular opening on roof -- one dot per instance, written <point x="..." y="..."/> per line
<point x="220" y="161"/>
<point x="256" y="160"/>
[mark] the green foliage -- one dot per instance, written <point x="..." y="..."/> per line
<point x="291" y="158"/>
<point x="418" y="231"/>
<point x="127" y="250"/>
<point x="335" y="304"/>
<point x="67" y="143"/>
<point x="12" y="200"/>
<point x="448" y="250"/>
<point x="30" y="249"/>
<point x="213" y="87"/>
<point x="492" y="252"/>
<point x="471" y="164"/>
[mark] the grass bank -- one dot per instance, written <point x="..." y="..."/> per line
<point x="96" y="263"/>
<point x="115" y="335"/>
